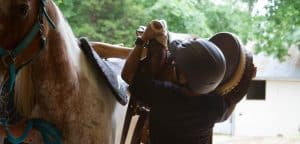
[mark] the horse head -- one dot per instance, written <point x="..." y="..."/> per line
<point x="23" y="32"/>
<point x="18" y="18"/>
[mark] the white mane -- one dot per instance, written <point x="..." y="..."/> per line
<point x="24" y="89"/>
<point x="71" y="42"/>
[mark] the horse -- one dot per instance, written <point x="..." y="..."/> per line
<point x="56" y="83"/>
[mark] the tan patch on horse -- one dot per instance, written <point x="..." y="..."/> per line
<point x="1" y="27"/>
<point x="4" y="6"/>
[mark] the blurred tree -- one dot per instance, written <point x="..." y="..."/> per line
<point x="104" y="20"/>
<point x="279" y="29"/>
<point x="115" y="21"/>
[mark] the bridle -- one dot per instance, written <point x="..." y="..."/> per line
<point x="7" y="62"/>
<point x="7" y="58"/>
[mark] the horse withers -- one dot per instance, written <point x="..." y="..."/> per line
<point x="45" y="75"/>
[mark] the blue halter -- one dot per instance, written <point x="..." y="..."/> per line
<point x="8" y="57"/>
<point x="49" y="132"/>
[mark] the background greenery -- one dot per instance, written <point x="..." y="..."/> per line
<point x="115" y="21"/>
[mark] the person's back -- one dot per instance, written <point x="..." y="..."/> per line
<point x="185" y="108"/>
<point x="177" y="115"/>
<point x="185" y="119"/>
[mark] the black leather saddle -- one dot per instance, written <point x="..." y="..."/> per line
<point x="110" y="70"/>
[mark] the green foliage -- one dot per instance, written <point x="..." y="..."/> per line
<point x="280" y="28"/>
<point x="115" y="21"/>
<point x="104" y="20"/>
<point x="230" y="18"/>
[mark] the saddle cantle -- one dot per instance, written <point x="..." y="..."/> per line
<point x="236" y="58"/>
<point x="109" y="70"/>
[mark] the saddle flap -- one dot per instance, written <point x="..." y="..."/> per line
<point x="109" y="70"/>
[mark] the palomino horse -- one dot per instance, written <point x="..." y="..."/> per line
<point x="55" y="83"/>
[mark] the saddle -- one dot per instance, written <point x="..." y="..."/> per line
<point x="236" y="58"/>
<point x="109" y="70"/>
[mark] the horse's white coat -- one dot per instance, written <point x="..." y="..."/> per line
<point x="77" y="103"/>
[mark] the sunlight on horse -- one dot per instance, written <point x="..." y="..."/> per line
<point x="60" y="85"/>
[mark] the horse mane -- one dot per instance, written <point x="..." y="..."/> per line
<point x="58" y="62"/>
<point x="24" y="92"/>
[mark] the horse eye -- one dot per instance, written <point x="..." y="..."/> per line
<point x="23" y="9"/>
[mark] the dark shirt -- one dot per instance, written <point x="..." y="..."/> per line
<point x="176" y="117"/>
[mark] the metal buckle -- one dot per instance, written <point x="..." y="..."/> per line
<point x="6" y="61"/>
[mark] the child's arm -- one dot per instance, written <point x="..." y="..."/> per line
<point x="133" y="60"/>
<point x="106" y="50"/>
<point x="156" y="33"/>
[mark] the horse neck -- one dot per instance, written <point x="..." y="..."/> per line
<point x="54" y="71"/>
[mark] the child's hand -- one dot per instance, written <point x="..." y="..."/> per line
<point x="149" y="32"/>
<point x="156" y="29"/>
<point x="140" y="31"/>
<point x="155" y="34"/>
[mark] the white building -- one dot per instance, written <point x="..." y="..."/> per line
<point x="272" y="105"/>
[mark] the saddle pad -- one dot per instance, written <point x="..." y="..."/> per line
<point x="110" y="70"/>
